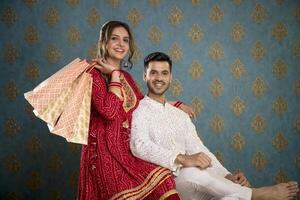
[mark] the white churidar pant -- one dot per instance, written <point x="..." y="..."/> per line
<point x="195" y="184"/>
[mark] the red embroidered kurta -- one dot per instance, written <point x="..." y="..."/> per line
<point x="108" y="170"/>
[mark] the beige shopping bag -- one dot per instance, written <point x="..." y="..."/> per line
<point x="63" y="101"/>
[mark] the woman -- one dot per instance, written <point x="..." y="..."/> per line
<point x="108" y="170"/>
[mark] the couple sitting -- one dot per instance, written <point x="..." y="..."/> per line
<point x="165" y="135"/>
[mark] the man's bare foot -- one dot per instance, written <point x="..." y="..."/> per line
<point x="282" y="191"/>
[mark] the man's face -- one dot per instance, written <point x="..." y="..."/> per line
<point x="158" y="77"/>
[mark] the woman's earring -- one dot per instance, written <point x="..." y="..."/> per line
<point x="124" y="62"/>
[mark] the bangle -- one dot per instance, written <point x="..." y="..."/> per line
<point x="116" y="84"/>
<point x="115" y="70"/>
<point x="177" y="104"/>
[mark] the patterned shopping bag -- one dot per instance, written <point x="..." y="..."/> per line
<point x="63" y="101"/>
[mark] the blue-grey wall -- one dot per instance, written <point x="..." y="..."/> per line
<point x="236" y="62"/>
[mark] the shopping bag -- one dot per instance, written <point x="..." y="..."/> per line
<point x="63" y="101"/>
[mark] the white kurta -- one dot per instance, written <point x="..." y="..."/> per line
<point x="160" y="132"/>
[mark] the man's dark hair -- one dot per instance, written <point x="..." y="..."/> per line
<point x="157" y="56"/>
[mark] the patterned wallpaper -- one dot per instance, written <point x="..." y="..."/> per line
<point x="237" y="62"/>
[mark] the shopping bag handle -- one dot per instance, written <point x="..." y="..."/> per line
<point x="91" y="66"/>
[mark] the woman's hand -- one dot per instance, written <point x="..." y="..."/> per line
<point x="189" y="110"/>
<point x="104" y="66"/>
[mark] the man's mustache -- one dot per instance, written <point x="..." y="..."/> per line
<point x="162" y="82"/>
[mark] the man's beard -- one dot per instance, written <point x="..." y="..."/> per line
<point x="152" y="90"/>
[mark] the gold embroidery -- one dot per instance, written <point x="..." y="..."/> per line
<point x="155" y="177"/>
<point x="129" y="95"/>
<point x="167" y="194"/>
<point x="125" y="124"/>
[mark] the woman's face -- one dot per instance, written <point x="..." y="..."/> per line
<point x="118" y="44"/>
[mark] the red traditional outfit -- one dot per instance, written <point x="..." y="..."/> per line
<point x="108" y="170"/>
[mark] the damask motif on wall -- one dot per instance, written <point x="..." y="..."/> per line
<point x="236" y="63"/>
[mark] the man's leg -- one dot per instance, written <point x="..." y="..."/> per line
<point x="191" y="181"/>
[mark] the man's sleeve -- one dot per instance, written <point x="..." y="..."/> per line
<point x="195" y="145"/>
<point x="143" y="147"/>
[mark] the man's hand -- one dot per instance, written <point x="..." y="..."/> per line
<point x="200" y="160"/>
<point x="238" y="178"/>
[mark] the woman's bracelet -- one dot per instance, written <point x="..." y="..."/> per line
<point x="115" y="84"/>
<point x="178" y="103"/>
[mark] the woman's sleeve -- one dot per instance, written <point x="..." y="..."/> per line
<point x="106" y="103"/>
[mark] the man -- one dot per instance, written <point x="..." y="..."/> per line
<point x="164" y="135"/>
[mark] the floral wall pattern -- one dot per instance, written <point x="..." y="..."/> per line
<point x="236" y="62"/>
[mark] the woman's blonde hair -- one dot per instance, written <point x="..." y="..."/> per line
<point x="105" y="34"/>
